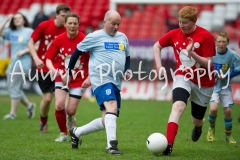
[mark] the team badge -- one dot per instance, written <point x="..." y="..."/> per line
<point x="185" y="59"/>
<point x="114" y="46"/>
<point x="108" y="91"/>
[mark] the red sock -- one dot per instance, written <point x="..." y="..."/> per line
<point x="61" y="120"/>
<point x="43" y="119"/>
<point x="172" y="129"/>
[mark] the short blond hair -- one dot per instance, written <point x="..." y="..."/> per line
<point x="188" y="12"/>
<point x="222" y="34"/>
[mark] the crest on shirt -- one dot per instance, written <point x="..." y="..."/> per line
<point x="108" y="91"/>
<point x="121" y="46"/>
<point x="114" y="46"/>
<point x="186" y="60"/>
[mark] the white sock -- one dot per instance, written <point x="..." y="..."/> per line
<point x="93" y="126"/>
<point x="29" y="106"/>
<point x="111" y="127"/>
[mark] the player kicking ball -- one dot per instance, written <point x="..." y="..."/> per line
<point x="193" y="48"/>
<point x="106" y="46"/>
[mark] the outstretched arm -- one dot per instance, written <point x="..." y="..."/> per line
<point x="73" y="60"/>
<point x="10" y="16"/>
<point x="74" y="57"/>
<point x="39" y="63"/>
<point x="157" y="55"/>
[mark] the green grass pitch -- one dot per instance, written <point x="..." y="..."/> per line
<point x="20" y="139"/>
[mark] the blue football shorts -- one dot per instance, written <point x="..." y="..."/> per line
<point x="107" y="92"/>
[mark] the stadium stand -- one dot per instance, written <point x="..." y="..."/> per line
<point x="144" y="21"/>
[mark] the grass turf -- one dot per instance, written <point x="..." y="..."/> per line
<point x="20" y="139"/>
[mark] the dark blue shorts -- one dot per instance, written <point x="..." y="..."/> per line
<point x="107" y="92"/>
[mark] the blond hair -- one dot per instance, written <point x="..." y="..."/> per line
<point x="222" y="34"/>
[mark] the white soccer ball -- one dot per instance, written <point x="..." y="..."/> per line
<point x="157" y="143"/>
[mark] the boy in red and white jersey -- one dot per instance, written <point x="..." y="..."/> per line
<point x="194" y="48"/>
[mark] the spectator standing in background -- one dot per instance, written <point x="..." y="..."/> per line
<point x="18" y="33"/>
<point x="40" y="17"/>
<point x="46" y="32"/>
<point x="171" y="18"/>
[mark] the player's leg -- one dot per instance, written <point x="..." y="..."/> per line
<point x="47" y="87"/>
<point x="15" y="83"/>
<point x="76" y="133"/>
<point x="30" y="107"/>
<point x="227" y="103"/>
<point x="93" y="126"/>
<point x="71" y="110"/>
<point x="181" y="90"/>
<point x="112" y="105"/>
<point x="200" y="98"/>
<point x="198" y="113"/>
<point x="108" y="98"/>
<point x="75" y="95"/>
<point x="212" y="115"/>
<point x="60" y="96"/>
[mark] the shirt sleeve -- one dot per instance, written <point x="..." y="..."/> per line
<point x="236" y="63"/>
<point x="165" y="41"/>
<point x="52" y="51"/>
<point x="127" y="48"/>
<point x="88" y="43"/>
<point x="208" y="47"/>
<point x="38" y="32"/>
<point x="6" y="33"/>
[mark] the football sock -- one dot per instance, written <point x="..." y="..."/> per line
<point x="172" y="129"/>
<point x="43" y="119"/>
<point x="93" y="126"/>
<point x="69" y="117"/>
<point x="211" y="120"/>
<point x="228" y="126"/>
<point x="111" y="126"/>
<point x="61" y="120"/>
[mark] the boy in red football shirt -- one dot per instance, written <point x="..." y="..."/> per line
<point x="193" y="48"/>
<point x="45" y="33"/>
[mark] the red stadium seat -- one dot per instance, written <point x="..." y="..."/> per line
<point x="124" y="25"/>
<point x="85" y="20"/>
<point x="144" y="20"/>
<point x="125" y="20"/>
<point x="150" y="8"/>
<point x="132" y="34"/>
<point x="121" y="9"/>
<point x="82" y="28"/>
<point x="144" y="34"/>
<point x="94" y="23"/>
<point x="98" y="14"/>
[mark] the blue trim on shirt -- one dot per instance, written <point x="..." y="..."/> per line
<point x="223" y="52"/>
<point x="75" y="55"/>
<point x="127" y="64"/>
